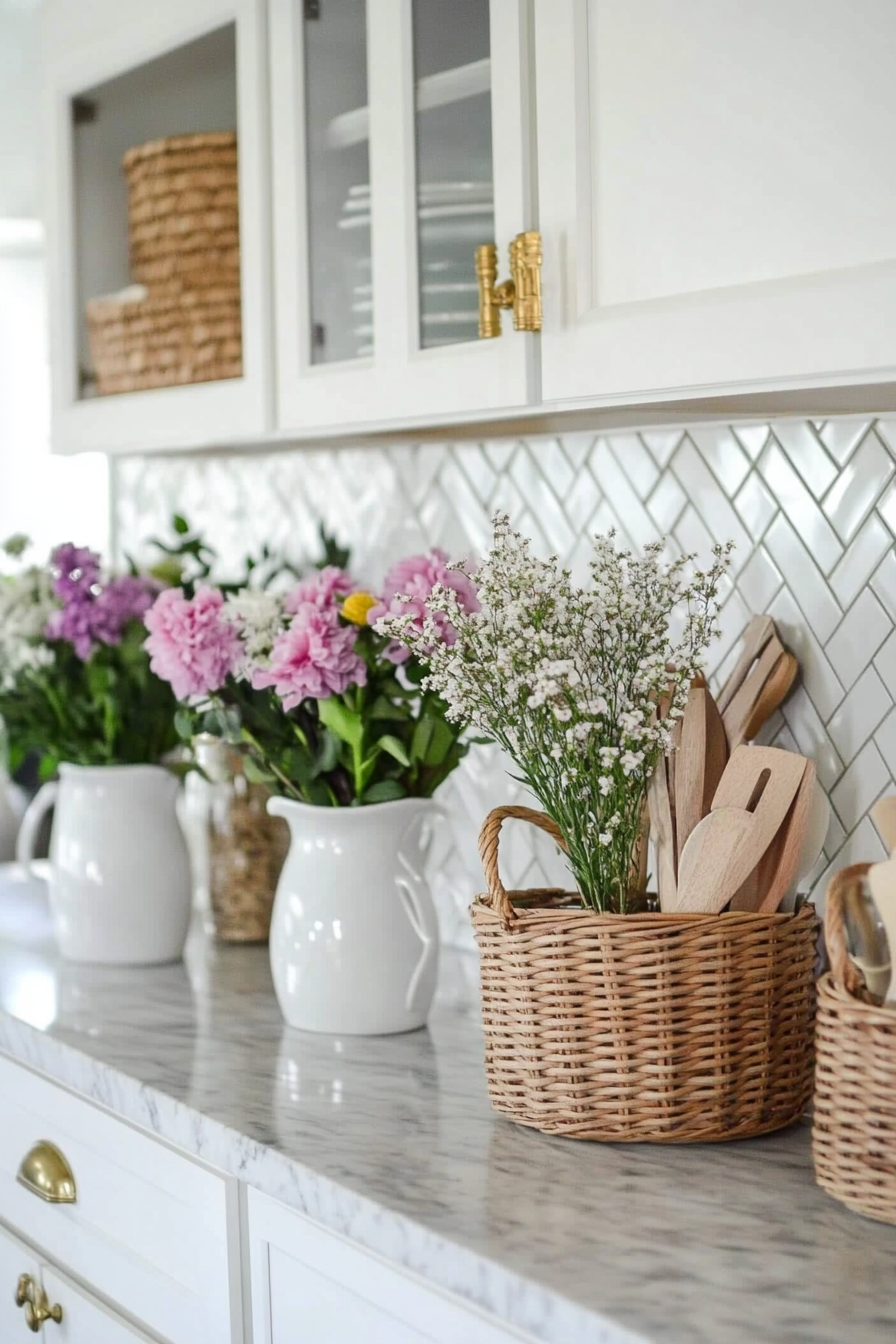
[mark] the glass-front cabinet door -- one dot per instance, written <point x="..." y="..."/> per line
<point x="399" y="148"/>
<point x="158" y="224"/>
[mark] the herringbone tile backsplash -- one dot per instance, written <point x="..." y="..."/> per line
<point x="810" y="505"/>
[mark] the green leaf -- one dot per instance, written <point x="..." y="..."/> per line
<point x="433" y="739"/>
<point x="256" y="773"/>
<point x="183" y="725"/>
<point x="180" y="525"/>
<point x="385" y="791"/>
<point x="395" y="749"/>
<point x="382" y="708"/>
<point x="327" y="752"/>
<point x="345" y="723"/>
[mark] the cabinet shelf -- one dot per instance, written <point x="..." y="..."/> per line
<point x="447" y="86"/>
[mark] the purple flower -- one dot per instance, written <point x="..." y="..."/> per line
<point x="314" y="659"/>
<point x="414" y="578"/>
<point x="76" y="569"/>
<point x="92" y="612"/>
<point x="190" y="643"/>
<point x="324" y="590"/>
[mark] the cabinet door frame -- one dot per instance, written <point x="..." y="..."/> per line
<point x="829" y="329"/>
<point x="399" y="382"/>
<point x="204" y="414"/>
<point x="386" y="1287"/>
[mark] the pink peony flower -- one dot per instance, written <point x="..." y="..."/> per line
<point x="314" y="659"/>
<point x="323" y="590"/>
<point x="414" y="578"/>
<point x="190" y="644"/>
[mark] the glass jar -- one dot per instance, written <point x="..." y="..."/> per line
<point x="246" y="847"/>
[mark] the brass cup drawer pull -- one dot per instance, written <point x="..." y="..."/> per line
<point x="32" y="1297"/>
<point x="522" y="292"/>
<point x="45" y="1172"/>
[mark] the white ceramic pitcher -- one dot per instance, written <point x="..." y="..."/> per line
<point x="354" y="935"/>
<point x="120" y="887"/>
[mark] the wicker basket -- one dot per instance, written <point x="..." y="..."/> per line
<point x="655" y="1027"/>
<point x="854" y="1127"/>
<point x="183" y="221"/>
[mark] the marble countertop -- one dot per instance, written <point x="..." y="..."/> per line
<point x="391" y="1141"/>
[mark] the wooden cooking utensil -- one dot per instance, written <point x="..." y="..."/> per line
<point x="759" y="784"/>
<point x="882" y="882"/>
<point x="756" y="636"/>
<point x="883" y="814"/>
<point x="700" y="760"/>
<point x="740" y="709"/>
<point x="663" y="836"/>
<point x="776" y="870"/>
<point x="774" y="693"/>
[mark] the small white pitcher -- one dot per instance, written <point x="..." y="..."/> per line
<point x="120" y="889"/>
<point x="354" y="935"/>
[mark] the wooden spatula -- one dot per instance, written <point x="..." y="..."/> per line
<point x="740" y="709"/>
<point x="777" y="869"/>
<point x="753" y="799"/>
<point x="699" y="761"/>
<point x="663" y="836"/>
<point x="756" y="636"/>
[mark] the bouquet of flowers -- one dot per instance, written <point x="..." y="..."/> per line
<point x="75" y="681"/>
<point x="568" y="680"/>
<point x="326" y="710"/>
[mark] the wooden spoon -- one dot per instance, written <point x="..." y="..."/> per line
<point x="741" y="708"/>
<point x="701" y="760"/>
<point x="759" y="784"/>
<point x="774" y="693"/>
<point x="756" y="636"/>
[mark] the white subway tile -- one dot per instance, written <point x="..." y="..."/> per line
<point x="723" y="454"/>
<point x="860" y="560"/>
<point x="858" y="637"/>
<point x="866" y="706"/>
<point x="852" y="496"/>
<point x="807" y="453"/>
<point x="860" y="786"/>
<point x="841" y="436"/>
<point x="803" y="578"/>
<point x="756" y="505"/>
<point x="800" y="508"/>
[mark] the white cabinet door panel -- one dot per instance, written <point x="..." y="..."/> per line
<point x="717" y="195"/>
<point x="308" y="1308"/>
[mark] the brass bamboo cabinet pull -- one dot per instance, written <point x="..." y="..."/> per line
<point x="46" y="1173"/>
<point x="32" y="1297"/>
<point x="522" y="292"/>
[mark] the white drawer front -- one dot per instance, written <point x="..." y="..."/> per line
<point x="151" y="1229"/>
<point x="83" y="1320"/>
<point x="311" y="1286"/>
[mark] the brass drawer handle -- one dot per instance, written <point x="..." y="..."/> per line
<point x="32" y="1297"/>
<point x="45" y="1172"/>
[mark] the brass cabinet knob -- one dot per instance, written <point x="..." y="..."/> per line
<point x="32" y="1297"/>
<point x="522" y="292"/>
<point x="45" y="1172"/>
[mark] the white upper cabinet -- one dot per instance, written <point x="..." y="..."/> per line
<point x="401" y="142"/>
<point x="717" y="191"/>
<point x="116" y="76"/>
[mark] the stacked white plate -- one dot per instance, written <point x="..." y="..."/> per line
<point x="453" y="218"/>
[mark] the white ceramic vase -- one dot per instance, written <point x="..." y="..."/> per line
<point x="354" y="936"/>
<point x="120" y="885"/>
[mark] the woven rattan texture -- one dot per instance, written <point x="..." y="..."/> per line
<point x="854" y="1125"/>
<point x="183" y="221"/>
<point x="653" y="1027"/>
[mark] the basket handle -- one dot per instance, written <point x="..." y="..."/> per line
<point x="845" y="972"/>
<point x="498" y="898"/>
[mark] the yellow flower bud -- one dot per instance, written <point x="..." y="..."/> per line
<point x="356" y="606"/>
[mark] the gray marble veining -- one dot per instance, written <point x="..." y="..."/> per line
<point x="391" y="1141"/>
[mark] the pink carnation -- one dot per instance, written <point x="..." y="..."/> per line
<point x="324" y="590"/>
<point x="414" y="578"/>
<point x="314" y="659"/>
<point x="190" y="644"/>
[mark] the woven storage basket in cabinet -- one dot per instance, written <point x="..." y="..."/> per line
<point x="854" y="1124"/>
<point x="653" y="1027"/>
<point x="183" y="226"/>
